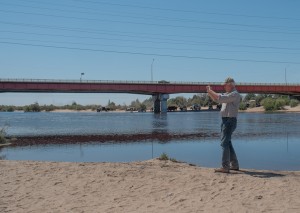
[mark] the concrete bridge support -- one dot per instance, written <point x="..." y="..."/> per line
<point x="160" y="103"/>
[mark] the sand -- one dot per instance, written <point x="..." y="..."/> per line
<point x="285" y="109"/>
<point x="148" y="186"/>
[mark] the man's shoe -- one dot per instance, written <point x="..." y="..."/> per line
<point x="235" y="168"/>
<point x="222" y="170"/>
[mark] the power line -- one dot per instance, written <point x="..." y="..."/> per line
<point x="125" y="34"/>
<point x="153" y="24"/>
<point x="184" y="42"/>
<point x="188" y="11"/>
<point x="168" y="41"/>
<point x="152" y="40"/>
<point x="131" y="16"/>
<point x="144" y="47"/>
<point x="153" y="54"/>
<point x="156" y="8"/>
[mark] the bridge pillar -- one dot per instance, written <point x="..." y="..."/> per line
<point x="163" y="102"/>
<point x="156" y="104"/>
<point x="160" y="103"/>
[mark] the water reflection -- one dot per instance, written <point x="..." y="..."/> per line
<point x="278" y="153"/>
<point x="2" y="156"/>
<point x="160" y="126"/>
<point x="287" y="142"/>
<point x="263" y="141"/>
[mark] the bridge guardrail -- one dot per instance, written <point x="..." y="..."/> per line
<point x="137" y="82"/>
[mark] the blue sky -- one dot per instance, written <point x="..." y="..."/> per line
<point x="192" y="41"/>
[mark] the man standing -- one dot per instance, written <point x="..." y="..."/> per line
<point x="230" y="106"/>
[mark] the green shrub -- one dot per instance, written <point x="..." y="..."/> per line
<point x="268" y="104"/>
<point x="280" y="103"/>
<point x="163" y="156"/>
<point x="243" y="106"/>
<point x="252" y="104"/>
<point x="294" y="103"/>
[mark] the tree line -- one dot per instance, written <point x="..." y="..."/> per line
<point x="269" y="102"/>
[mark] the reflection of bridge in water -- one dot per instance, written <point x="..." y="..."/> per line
<point x="159" y="90"/>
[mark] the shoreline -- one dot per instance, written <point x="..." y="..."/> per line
<point x="260" y="109"/>
<point x="203" y="109"/>
<point x="145" y="186"/>
<point x="252" y="110"/>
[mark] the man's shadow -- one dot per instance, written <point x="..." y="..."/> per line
<point x="259" y="174"/>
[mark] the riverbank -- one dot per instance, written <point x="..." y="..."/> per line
<point x="148" y="186"/>
<point x="261" y="109"/>
<point x="254" y="109"/>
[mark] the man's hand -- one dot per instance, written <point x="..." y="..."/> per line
<point x="212" y="94"/>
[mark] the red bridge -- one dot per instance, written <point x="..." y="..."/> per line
<point x="138" y="87"/>
<point x="159" y="90"/>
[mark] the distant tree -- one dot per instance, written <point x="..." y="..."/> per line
<point x="171" y="102"/>
<point x="75" y="106"/>
<point x="33" y="108"/>
<point x="196" y="99"/>
<point x="112" y="106"/>
<point x="10" y="109"/>
<point x="260" y="97"/>
<point x="142" y="107"/>
<point x="148" y="102"/>
<point x="48" y="108"/>
<point x="135" y="104"/>
<point x="177" y="101"/>
<point x="249" y="96"/>
<point x="180" y="101"/>
<point x="4" y="108"/>
<point x="209" y="102"/>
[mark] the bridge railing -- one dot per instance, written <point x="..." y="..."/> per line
<point x="138" y="82"/>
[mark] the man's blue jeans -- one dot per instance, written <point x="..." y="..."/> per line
<point x="229" y="158"/>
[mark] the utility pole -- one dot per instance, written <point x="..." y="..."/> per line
<point x="152" y="69"/>
<point x="285" y="76"/>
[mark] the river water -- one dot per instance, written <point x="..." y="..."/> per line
<point x="261" y="140"/>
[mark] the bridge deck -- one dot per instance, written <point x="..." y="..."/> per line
<point x="137" y="87"/>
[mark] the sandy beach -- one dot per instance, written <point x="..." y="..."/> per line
<point x="285" y="109"/>
<point x="148" y="186"/>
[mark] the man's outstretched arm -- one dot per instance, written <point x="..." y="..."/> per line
<point x="212" y="94"/>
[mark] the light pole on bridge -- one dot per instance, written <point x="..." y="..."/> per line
<point x="152" y="69"/>
<point x="81" y="76"/>
<point x="285" y="76"/>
